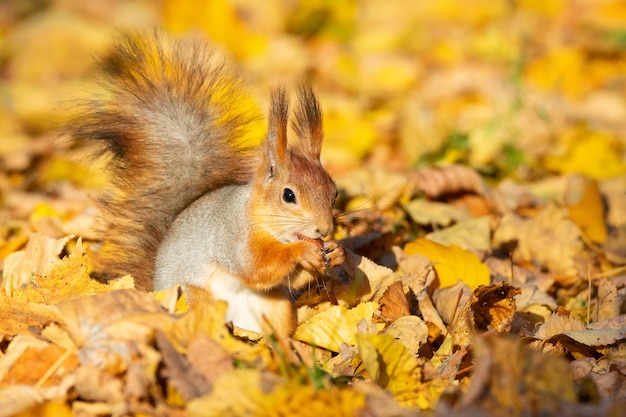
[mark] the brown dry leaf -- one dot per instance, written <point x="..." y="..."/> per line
<point x="209" y="359"/>
<point x="536" y="239"/>
<point x="16" y="349"/>
<point x="385" y="187"/>
<point x="489" y="308"/>
<point x="494" y="306"/>
<point x="393" y="303"/>
<point x="181" y="376"/>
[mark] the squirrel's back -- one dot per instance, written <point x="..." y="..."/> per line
<point x="172" y="121"/>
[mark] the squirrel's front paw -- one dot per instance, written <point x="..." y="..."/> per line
<point x="333" y="254"/>
<point x="312" y="258"/>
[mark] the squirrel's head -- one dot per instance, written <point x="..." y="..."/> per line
<point x="297" y="192"/>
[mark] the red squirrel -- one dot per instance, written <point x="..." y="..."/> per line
<point x="190" y="205"/>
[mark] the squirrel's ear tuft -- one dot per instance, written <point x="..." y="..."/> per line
<point x="308" y="122"/>
<point x="276" y="142"/>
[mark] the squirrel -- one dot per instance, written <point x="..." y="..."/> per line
<point x="192" y="206"/>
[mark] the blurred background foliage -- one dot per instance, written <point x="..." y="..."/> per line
<point x="519" y="89"/>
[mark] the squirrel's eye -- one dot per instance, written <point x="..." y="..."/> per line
<point x="289" y="196"/>
<point x="336" y="195"/>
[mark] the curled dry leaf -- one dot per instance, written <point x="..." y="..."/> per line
<point x="453" y="179"/>
<point x="489" y="308"/>
<point x="393" y="303"/>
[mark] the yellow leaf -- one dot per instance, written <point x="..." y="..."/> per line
<point x="588" y="213"/>
<point x="451" y="263"/>
<point x="69" y="279"/>
<point x="335" y="325"/>
<point x="220" y="20"/>
<point x="545" y="7"/>
<point x="562" y="70"/>
<point x="394" y="368"/>
<point x="594" y="154"/>
<point x="350" y="133"/>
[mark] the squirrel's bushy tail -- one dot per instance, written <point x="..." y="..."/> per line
<point x="171" y="119"/>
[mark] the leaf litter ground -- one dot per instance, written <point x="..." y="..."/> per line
<point x="482" y="200"/>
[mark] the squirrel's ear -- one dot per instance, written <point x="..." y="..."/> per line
<point x="308" y="123"/>
<point x="276" y="142"/>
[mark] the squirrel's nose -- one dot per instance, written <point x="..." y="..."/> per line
<point x="325" y="228"/>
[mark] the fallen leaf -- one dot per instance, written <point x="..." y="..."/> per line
<point x="185" y="379"/>
<point x="108" y="329"/>
<point x="367" y="281"/>
<point x="489" y="308"/>
<point x="433" y="213"/>
<point x="67" y="278"/>
<point x="587" y="209"/>
<point x="411" y="331"/>
<point x="37" y="259"/>
<point x="509" y="376"/>
<point x="452" y="179"/>
<point x="535" y="239"/>
<point x="452" y="263"/>
<point x="471" y="234"/>
<point x="494" y="306"/>
<point x="394" y="368"/>
<point x="264" y="395"/>
<point x="336" y="325"/>
<point x="19" y="316"/>
<point x="393" y="303"/>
